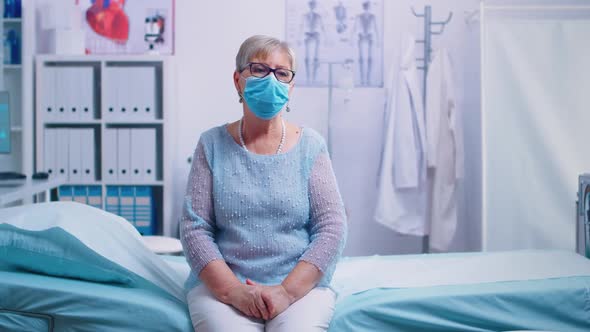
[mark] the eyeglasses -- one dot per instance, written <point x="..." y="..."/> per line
<point x="261" y="70"/>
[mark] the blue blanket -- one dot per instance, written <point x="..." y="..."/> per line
<point x="561" y="304"/>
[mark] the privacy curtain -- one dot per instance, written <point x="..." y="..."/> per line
<point x="535" y="123"/>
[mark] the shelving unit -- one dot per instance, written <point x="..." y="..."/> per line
<point x="17" y="79"/>
<point x="106" y="118"/>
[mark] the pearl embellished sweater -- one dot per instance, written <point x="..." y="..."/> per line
<point x="262" y="214"/>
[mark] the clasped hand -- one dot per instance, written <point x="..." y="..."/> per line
<point x="258" y="301"/>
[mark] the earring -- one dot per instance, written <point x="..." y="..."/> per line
<point x="288" y="108"/>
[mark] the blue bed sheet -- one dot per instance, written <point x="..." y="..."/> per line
<point x="75" y="305"/>
<point x="11" y="320"/>
<point x="555" y="304"/>
<point x="560" y="304"/>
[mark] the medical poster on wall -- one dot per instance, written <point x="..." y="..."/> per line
<point x="345" y="33"/>
<point x="128" y="26"/>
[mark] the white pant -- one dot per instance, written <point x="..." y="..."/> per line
<point x="311" y="313"/>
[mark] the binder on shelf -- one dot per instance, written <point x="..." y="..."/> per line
<point x="110" y="86"/>
<point x="88" y="162"/>
<point x="127" y="203"/>
<point x="62" y="94"/>
<point x="148" y="95"/>
<point x="62" y="155"/>
<point x="144" y="210"/>
<point x="123" y="154"/>
<point x="75" y="154"/>
<point x="110" y="153"/>
<point x="47" y="93"/>
<point x="71" y="95"/>
<point x="49" y="151"/>
<point x="59" y="92"/>
<point x="95" y="196"/>
<point x="132" y="92"/>
<point x="65" y="193"/>
<point x="125" y="93"/>
<point x="85" y="80"/>
<point x="138" y="145"/>
<point x="61" y="86"/>
<point x="139" y="92"/>
<point x="112" y="200"/>
<point x="80" y="194"/>
<point x="149" y="154"/>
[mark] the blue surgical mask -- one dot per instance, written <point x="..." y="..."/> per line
<point x="265" y="96"/>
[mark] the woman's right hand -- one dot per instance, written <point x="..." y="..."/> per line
<point x="248" y="300"/>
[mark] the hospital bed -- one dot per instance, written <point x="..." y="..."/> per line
<point x="132" y="289"/>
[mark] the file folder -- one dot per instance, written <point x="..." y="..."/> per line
<point x="62" y="155"/>
<point x="109" y="151"/>
<point x="144" y="211"/>
<point x="88" y="162"/>
<point x="95" y="196"/>
<point x="49" y="145"/>
<point x="123" y="154"/>
<point x="65" y="193"/>
<point x="127" y="203"/>
<point x="47" y="93"/>
<point x="80" y="194"/>
<point x="75" y="154"/>
<point x="112" y="202"/>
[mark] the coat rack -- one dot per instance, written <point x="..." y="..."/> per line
<point x="427" y="41"/>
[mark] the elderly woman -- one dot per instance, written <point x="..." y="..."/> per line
<point x="263" y="223"/>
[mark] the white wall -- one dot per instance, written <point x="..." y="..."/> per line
<point x="208" y="35"/>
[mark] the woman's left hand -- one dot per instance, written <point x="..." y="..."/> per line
<point x="275" y="297"/>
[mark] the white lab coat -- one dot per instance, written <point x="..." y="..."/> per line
<point x="445" y="149"/>
<point x="401" y="195"/>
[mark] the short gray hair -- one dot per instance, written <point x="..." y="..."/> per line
<point x="260" y="47"/>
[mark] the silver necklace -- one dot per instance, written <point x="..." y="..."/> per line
<point x="283" y="136"/>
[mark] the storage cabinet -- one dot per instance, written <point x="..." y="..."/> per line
<point x="103" y="122"/>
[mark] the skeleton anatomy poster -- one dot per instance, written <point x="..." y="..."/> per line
<point x="345" y="33"/>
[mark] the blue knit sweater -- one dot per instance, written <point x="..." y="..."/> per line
<point x="262" y="213"/>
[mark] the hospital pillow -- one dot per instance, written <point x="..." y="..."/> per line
<point x="55" y="252"/>
<point x="68" y="239"/>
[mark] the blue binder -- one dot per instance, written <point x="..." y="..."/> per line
<point x="112" y="203"/>
<point x="144" y="210"/>
<point x="65" y="193"/>
<point x="95" y="196"/>
<point x="80" y="194"/>
<point x="127" y="203"/>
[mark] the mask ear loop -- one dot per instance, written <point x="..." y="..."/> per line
<point x="288" y="109"/>
<point x="241" y="100"/>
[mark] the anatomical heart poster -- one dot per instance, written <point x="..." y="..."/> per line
<point x="128" y="26"/>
